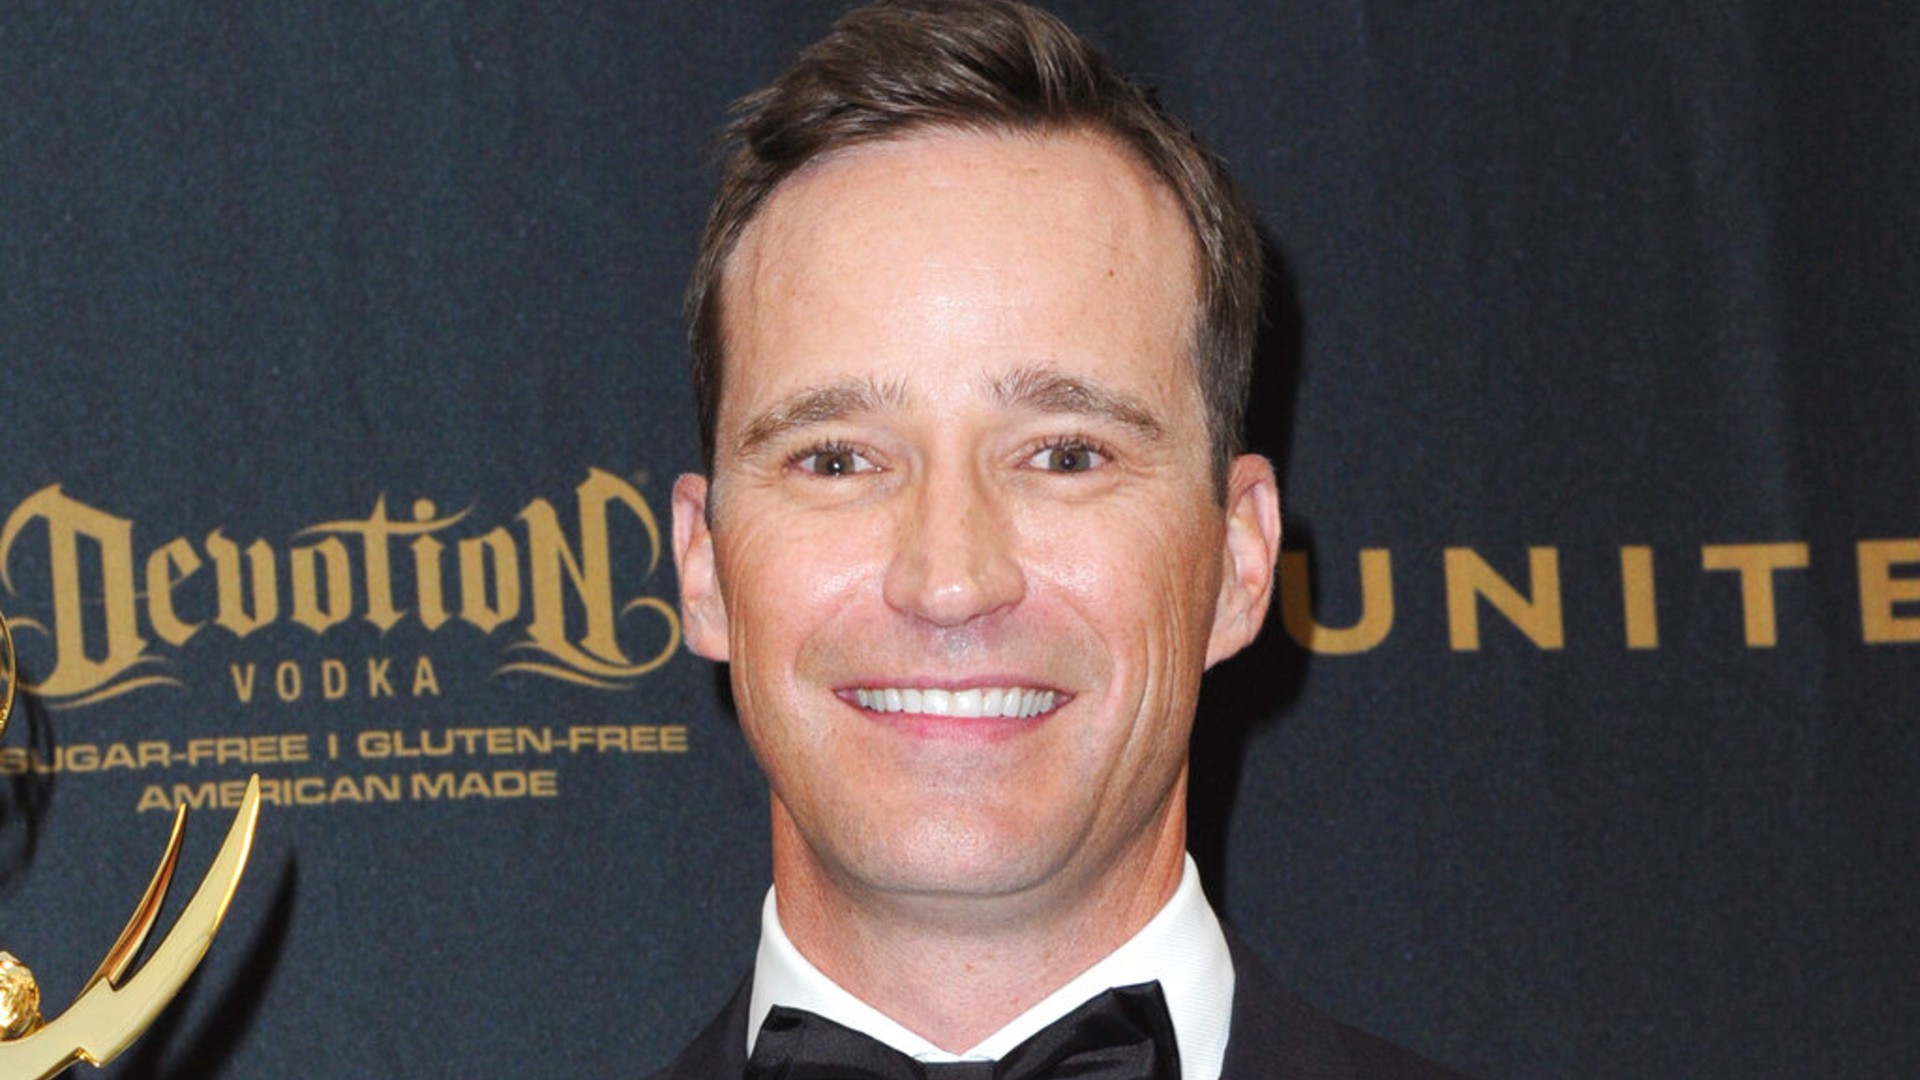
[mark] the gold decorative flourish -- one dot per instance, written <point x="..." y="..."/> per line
<point x="10" y="672"/>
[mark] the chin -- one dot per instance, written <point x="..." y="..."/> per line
<point x="952" y="857"/>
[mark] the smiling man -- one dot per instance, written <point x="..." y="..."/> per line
<point x="972" y="323"/>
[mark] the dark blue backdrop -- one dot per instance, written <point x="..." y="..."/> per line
<point x="1603" y="318"/>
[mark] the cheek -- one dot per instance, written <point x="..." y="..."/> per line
<point x="1140" y="576"/>
<point x="787" y="589"/>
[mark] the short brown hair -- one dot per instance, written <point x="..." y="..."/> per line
<point x="900" y="67"/>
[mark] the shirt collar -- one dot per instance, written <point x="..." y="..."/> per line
<point x="1181" y="947"/>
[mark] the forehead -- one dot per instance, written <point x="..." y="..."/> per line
<point x="950" y="254"/>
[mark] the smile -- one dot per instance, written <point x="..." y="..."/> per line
<point x="1008" y="701"/>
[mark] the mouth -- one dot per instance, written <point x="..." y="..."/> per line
<point x="993" y="702"/>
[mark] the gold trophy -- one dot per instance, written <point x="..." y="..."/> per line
<point x="114" y="1007"/>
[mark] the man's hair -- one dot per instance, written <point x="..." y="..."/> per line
<point x="904" y="67"/>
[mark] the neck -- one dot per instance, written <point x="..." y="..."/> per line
<point x="955" y="969"/>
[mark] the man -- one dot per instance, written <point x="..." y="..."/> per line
<point x="972" y="321"/>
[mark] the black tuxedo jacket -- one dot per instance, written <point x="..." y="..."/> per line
<point x="1274" y="1036"/>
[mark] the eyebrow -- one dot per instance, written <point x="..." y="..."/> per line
<point x="1047" y="390"/>
<point x="821" y="405"/>
<point x="1042" y="389"/>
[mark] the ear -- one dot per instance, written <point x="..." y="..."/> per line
<point x="1252" y="547"/>
<point x="703" y="613"/>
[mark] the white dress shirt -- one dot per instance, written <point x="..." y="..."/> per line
<point x="1181" y="947"/>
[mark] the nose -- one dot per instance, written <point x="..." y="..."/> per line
<point x="955" y="559"/>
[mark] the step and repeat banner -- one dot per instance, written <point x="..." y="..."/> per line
<point x="342" y="379"/>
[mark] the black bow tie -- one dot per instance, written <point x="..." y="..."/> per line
<point x="1122" y="1034"/>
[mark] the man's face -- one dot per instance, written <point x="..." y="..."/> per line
<point x="965" y="557"/>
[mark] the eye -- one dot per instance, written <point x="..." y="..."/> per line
<point x="833" y="459"/>
<point x="1068" y="456"/>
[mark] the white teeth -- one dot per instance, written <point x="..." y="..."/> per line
<point x="1012" y="702"/>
